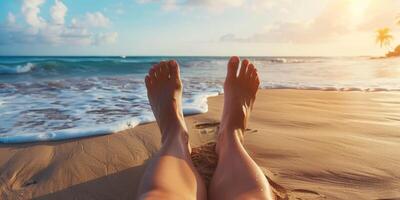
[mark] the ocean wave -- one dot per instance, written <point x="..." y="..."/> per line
<point x="57" y="68"/>
<point x="197" y="104"/>
<point x="116" y="65"/>
<point x="18" y="69"/>
<point x="74" y="67"/>
<point x="73" y="133"/>
<point x="56" y="99"/>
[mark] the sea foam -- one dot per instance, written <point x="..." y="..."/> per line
<point x="19" y="69"/>
<point x="56" y="98"/>
<point x="195" y="104"/>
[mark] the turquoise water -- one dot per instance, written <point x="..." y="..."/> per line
<point x="55" y="98"/>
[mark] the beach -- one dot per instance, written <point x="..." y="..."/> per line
<point x="310" y="144"/>
<point x="86" y="87"/>
<point x="59" y="98"/>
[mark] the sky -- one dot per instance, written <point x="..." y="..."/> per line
<point x="196" y="27"/>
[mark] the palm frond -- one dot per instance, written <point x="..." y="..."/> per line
<point x="384" y="37"/>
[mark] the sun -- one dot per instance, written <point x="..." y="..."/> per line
<point x="357" y="9"/>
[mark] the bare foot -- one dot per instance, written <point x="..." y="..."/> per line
<point x="164" y="90"/>
<point x="239" y="96"/>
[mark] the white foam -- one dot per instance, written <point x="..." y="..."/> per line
<point x="78" y="132"/>
<point x="16" y="69"/>
<point x="195" y="104"/>
<point x="198" y="104"/>
<point x="78" y="107"/>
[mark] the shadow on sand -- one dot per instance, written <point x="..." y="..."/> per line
<point x="112" y="186"/>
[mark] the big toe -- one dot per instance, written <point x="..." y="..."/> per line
<point x="164" y="73"/>
<point x="233" y="67"/>
<point x="173" y="69"/>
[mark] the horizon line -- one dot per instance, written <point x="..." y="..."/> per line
<point x="113" y="55"/>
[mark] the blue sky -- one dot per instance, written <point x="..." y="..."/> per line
<point x="195" y="27"/>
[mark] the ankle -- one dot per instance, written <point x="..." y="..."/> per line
<point x="228" y="140"/>
<point x="173" y="135"/>
<point x="173" y="127"/>
<point x="177" y="143"/>
<point x="233" y="122"/>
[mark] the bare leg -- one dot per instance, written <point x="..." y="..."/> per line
<point x="237" y="176"/>
<point x="171" y="173"/>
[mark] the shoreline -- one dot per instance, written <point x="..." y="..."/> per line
<point x="194" y="106"/>
<point x="310" y="144"/>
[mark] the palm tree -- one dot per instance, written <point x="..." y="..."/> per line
<point x="384" y="37"/>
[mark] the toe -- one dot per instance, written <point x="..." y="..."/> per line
<point x="250" y="70"/>
<point x="233" y="66"/>
<point x="254" y="75"/>
<point x="147" y="80"/>
<point x="255" y="80"/>
<point x="152" y="72"/>
<point x="174" y="69"/>
<point x="157" y="68"/>
<point x="164" y="70"/>
<point x="243" y="68"/>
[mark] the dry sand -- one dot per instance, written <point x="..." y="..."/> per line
<point x="311" y="145"/>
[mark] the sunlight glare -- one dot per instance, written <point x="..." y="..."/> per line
<point x="357" y="9"/>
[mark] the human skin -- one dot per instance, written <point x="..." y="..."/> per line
<point x="171" y="173"/>
<point x="237" y="176"/>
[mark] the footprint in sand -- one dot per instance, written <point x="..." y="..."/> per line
<point x="207" y="128"/>
<point x="250" y="131"/>
<point x="305" y="194"/>
<point x="213" y="126"/>
<point x="28" y="183"/>
<point x="202" y="125"/>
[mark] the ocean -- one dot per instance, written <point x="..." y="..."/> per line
<point x="57" y="98"/>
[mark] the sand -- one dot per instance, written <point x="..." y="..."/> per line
<point x="310" y="144"/>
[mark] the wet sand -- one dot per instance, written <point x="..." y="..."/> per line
<point x="310" y="144"/>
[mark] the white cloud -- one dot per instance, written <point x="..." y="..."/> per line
<point x="58" y="12"/>
<point x="31" y="10"/>
<point x="56" y="31"/>
<point x="93" y="20"/>
<point x="75" y="23"/>
<point x="336" y="20"/>
<point x="96" y="19"/>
